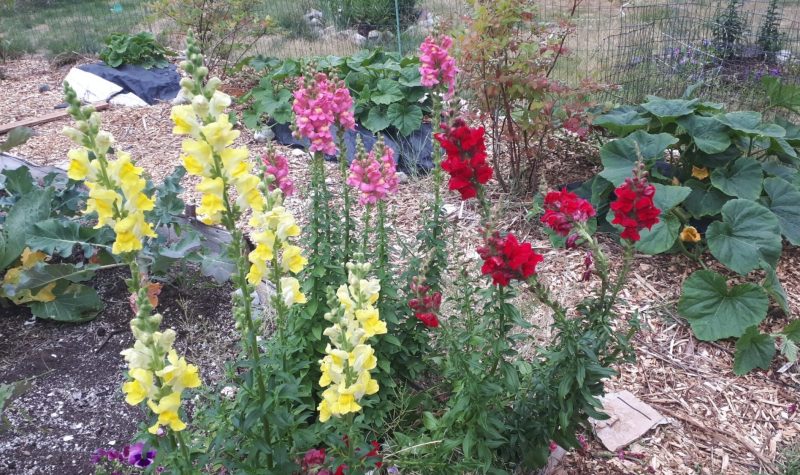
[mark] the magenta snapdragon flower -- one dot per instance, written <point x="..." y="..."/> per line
<point x="318" y="104"/>
<point x="374" y="177"/>
<point x="436" y="64"/>
<point x="278" y="168"/>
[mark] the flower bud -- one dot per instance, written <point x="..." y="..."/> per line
<point x="74" y="134"/>
<point x="104" y="140"/>
<point x="213" y="83"/>
<point x="202" y="72"/>
<point x="200" y="105"/>
<point x="83" y="126"/>
<point x="186" y="83"/>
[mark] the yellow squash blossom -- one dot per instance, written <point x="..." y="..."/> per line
<point x="701" y="173"/>
<point x="690" y="234"/>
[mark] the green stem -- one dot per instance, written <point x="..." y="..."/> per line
<point x="348" y="220"/>
<point x="365" y="235"/>
<point x="187" y="458"/>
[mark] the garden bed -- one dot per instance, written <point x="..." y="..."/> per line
<point x="720" y="423"/>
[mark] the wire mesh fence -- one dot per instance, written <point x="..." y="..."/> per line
<point x="643" y="47"/>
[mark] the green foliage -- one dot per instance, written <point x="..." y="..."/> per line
<point x="43" y="218"/>
<point x="373" y="14"/>
<point x="507" y="58"/>
<point x="728" y="29"/>
<point x="739" y="177"/>
<point x="770" y="38"/>
<point x="15" y="138"/>
<point x="140" y="50"/>
<point x="385" y="88"/>
<point x="753" y="350"/>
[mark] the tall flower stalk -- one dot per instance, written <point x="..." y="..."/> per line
<point x="225" y="171"/>
<point x="157" y="374"/>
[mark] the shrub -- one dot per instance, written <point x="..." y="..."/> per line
<point x="728" y="29"/>
<point x="369" y="15"/>
<point x="508" y="56"/>
<point x="140" y="50"/>
<point x="770" y="39"/>
<point x="224" y="30"/>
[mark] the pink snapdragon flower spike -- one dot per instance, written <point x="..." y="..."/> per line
<point x="277" y="167"/>
<point x="373" y="177"/>
<point x="343" y="107"/>
<point x="436" y="64"/>
<point x="313" y="108"/>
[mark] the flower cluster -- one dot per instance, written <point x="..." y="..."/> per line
<point x="634" y="209"/>
<point x="116" y="186"/>
<point x="506" y="259"/>
<point x="348" y="361"/>
<point x="466" y="158"/>
<point x="276" y="170"/>
<point x="318" y="103"/>
<point x="564" y="209"/>
<point x="425" y="304"/>
<point x="133" y="455"/>
<point x="158" y="375"/>
<point x="274" y="229"/>
<point x="374" y="174"/>
<point x="436" y="64"/>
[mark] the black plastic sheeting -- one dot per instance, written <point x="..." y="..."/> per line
<point x="413" y="153"/>
<point x="151" y="85"/>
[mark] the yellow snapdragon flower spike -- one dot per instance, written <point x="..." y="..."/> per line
<point x="345" y="368"/>
<point x="179" y="375"/>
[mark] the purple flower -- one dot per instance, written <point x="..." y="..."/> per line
<point x="138" y="457"/>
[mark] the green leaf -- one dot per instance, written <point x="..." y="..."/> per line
<point x="377" y="120"/>
<point x="667" y="110"/>
<point x="388" y="92"/>
<point x="620" y="156"/>
<point x="775" y="290"/>
<point x="704" y="200"/>
<point x="749" y="123"/>
<point x="77" y="303"/>
<point x="747" y="236"/>
<point x="753" y="350"/>
<point x="42" y="274"/>
<point x="668" y="197"/>
<point x="708" y="134"/>
<point x="784" y="202"/>
<point x="782" y="94"/>
<point x="792" y="331"/>
<point x="661" y="237"/>
<point x="59" y="237"/>
<point x="28" y="210"/>
<point x="220" y="268"/>
<point x="18" y="181"/>
<point x="714" y="311"/>
<point x="406" y="118"/>
<point x="741" y="179"/>
<point x="16" y="137"/>
<point x="622" y="121"/>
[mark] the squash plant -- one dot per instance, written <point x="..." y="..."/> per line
<point x="385" y="87"/>
<point x="727" y="183"/>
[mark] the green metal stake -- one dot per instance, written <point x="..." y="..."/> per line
<point x="397" y="22"/>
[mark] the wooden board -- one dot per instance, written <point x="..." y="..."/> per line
<point x="43" y="119"/>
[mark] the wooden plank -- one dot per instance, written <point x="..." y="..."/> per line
<point x="43" y="119"/>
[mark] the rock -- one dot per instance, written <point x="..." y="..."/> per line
<point x="264" y="135"/>
<point x="629" y="419"/>
<point x="299" y="152"/>
<point x="44" y="88"/>
<point x="313" y="15"/>
<point x="402" y="177"/>
<point x="181" y="99"/>
<point x="128" y="100"/>
<point x="354" y="36"/>
<point x="374" y="35"/>
<point x="783" y="56"/>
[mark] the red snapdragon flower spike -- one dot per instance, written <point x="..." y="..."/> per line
<point x="466" y="158"/>
<point x="313" y="458"/>
<point x="505" y="259"/>
<point x="563" y="209"/>
<point x="424" y="305"/>
<point x="634" y="209"/>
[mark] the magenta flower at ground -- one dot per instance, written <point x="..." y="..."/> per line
<point x="436" y="64"/>
<point x="278" y="168"/>
<point x="373" y="177"/>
